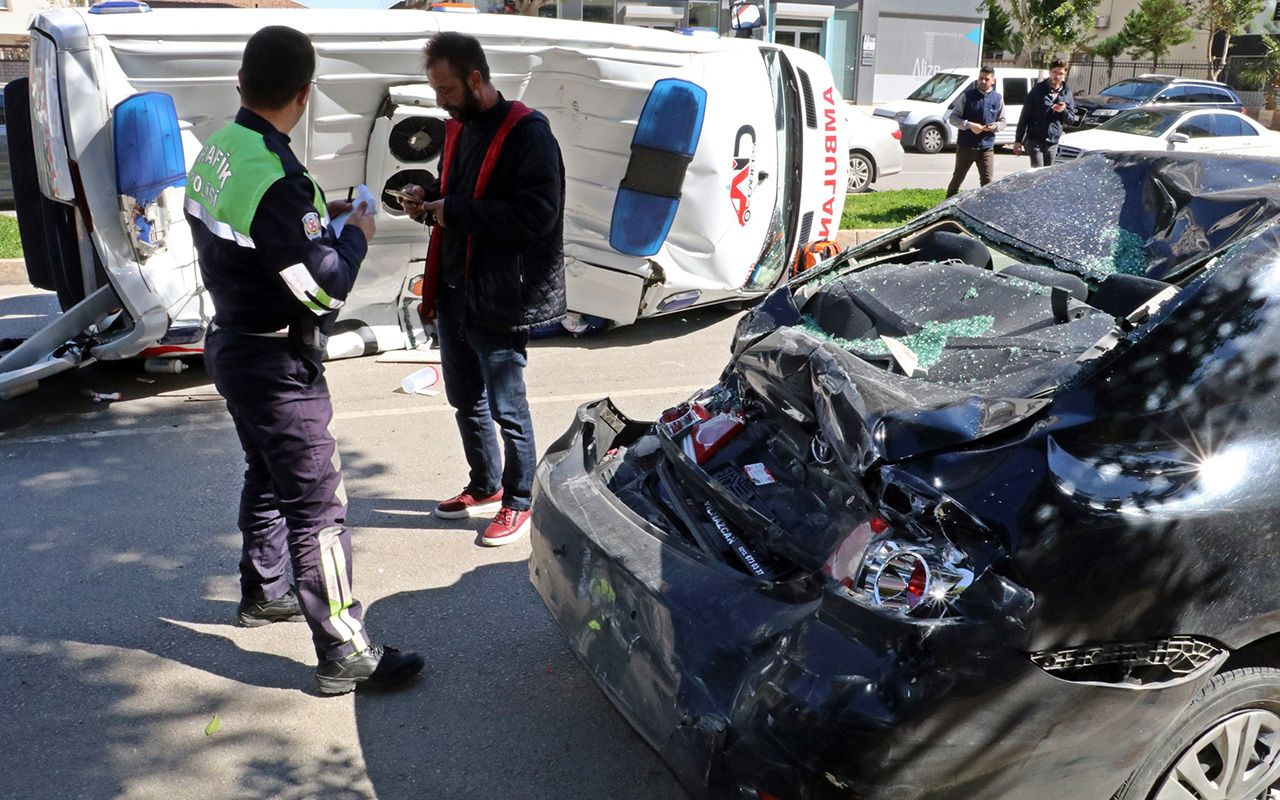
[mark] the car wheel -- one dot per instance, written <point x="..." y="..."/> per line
<point x="1224" y="746"/>
<point x="931" y="139"/>
<point x="860" y="172"/>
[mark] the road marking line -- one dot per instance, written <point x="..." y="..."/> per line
<point x="676" y="393"/>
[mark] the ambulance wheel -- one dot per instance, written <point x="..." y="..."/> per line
<point x="930" y="139"/>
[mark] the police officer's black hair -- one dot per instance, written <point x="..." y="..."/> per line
<point x="463" y="54"/>
<point x="279" y="62"/>
<point x="987" y="70"/>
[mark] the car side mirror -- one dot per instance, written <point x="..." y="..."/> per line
<point x="746" y="16"/>
<point x="1178" y="138"/>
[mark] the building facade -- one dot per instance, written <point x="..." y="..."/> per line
<point x="878" y="50"/>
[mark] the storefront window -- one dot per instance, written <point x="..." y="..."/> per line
<point x="704" y="15"/>
<point x="597" y="11"/>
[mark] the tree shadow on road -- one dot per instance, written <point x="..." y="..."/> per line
<point x="503" y="710"/>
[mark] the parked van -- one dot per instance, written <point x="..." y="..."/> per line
<point x="739" y="189"/>
<point x="922" y="115"/>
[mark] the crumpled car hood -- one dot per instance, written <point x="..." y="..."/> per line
<point x="1155" y="217"/>
<point x="864" y="414"/>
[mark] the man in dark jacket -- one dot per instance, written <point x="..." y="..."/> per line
<point x="1049" y="104"/>
<point x="275" y="272"/>
<point x="978" y="112"/>
<point x="495" y="270"/>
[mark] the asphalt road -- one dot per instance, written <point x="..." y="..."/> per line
<point x="119" y="576"/>
<point x="920" y="171"/>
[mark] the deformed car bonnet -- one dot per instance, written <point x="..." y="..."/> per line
<point x="987" y="348"/>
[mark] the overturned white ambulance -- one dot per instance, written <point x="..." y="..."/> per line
<point x="753" y="167"/>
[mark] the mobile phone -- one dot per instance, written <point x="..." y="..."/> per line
<point x="403" y="196"/>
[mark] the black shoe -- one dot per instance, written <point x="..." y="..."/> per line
<point x="376" y="666"/>
<point x="256" y="613"/>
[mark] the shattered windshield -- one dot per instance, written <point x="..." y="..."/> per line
<point x="1150" y="215"/>
<point x="938" y="88"/>
<point x="1132" y="90"/>
<point x="1142" y="123"/>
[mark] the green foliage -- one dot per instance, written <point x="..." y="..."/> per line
<point x="1110" y="48"/>
<point x="996" y="35"/>
<point x="1045" y="27"/>
<point x="888" y="209"/>
<point x="10" y="244"/>
<point x="1229" y="17"/>
<point x="1264" y="71"/>
<point x="1155" y="27"/>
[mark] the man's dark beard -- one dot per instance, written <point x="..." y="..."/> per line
<point x="469" y="110"/>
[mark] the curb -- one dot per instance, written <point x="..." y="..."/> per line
<point x="13" y="270"/>
<point x="848" y="237"/>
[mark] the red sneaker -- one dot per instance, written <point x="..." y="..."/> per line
<point x="466" y="504"/>
<point x="509" y="526"/>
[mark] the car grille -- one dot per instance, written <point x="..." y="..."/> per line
<point x="1067" y="153"/>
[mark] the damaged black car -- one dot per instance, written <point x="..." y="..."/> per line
<point x="986" y="508"/>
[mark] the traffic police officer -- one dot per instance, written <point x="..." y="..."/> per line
<point x="276" y="274"/>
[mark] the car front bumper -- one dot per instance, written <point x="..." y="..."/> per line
<point x="740" y="688"/>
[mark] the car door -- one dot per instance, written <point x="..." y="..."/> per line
<point x="1197" y="127"/>
<point x="1014" y="91"/>
<point x="1232" y="133"/>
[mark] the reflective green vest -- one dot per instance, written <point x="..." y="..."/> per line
<point x="231" y="174"/>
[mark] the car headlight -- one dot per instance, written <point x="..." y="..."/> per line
<point x="877" y="569"/>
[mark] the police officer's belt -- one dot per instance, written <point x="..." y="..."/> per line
<point x="283" y="333"/>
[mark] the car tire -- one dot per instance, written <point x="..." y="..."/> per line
<point x="931" y="139"/>
<point x="861" y="172"/>
<point x="1242" y="706"/>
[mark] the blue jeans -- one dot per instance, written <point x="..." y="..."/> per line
<point x="484" y="382"/>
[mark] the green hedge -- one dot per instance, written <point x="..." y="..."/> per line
<point x="10" y="244"/>
<point x="888" y="209"/>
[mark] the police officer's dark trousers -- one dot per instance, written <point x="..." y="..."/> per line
<point x="293" y="504"/>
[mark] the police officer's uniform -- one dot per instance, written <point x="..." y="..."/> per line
<point x="275" y="273"/>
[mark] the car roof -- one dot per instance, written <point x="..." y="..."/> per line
<point x="1165" y="79"/>
<point x="1170" y="109"/>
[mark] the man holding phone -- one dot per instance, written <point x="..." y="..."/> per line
<point x="979" y="113"/>
<point x="1049" y="104"/>
<point x="494" y="272"/>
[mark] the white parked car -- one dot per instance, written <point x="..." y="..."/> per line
<point x="922" y="115"/>
<point x="875" y="148"/>
<point x="1172" y="128"/>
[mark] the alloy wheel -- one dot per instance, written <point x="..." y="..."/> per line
<point x="859" y="173"/>
<point x="1236" y="759"/>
